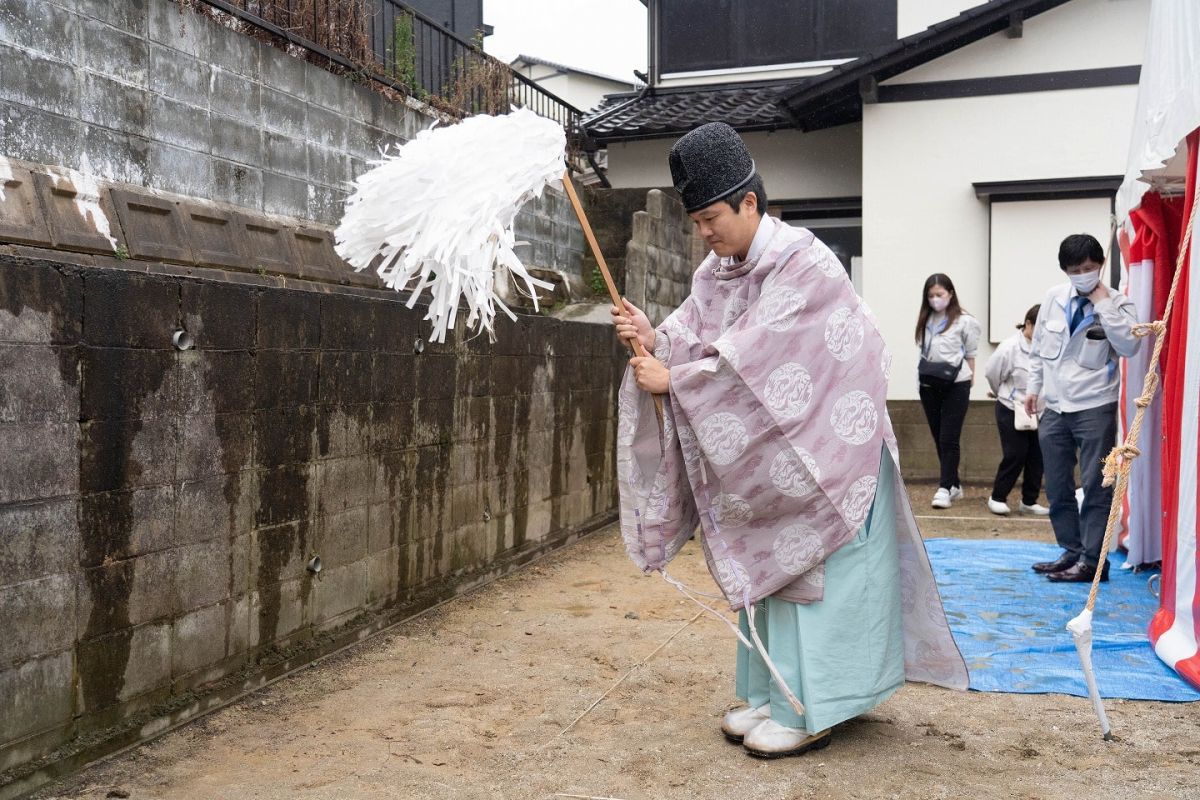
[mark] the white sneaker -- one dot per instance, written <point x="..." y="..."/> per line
<point x="956" y="493"/>
<point x="941" y="498"/>
<point x="998" y="508"/>
<point x="1036" y="508"/>
<point x="772" y="740"/>
<point x="740" y="721"/>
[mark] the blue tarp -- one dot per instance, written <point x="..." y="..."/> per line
<point x="1010" y="624"/>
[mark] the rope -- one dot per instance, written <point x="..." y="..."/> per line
<point x="1119" y="461"/>
<point x="694" y="596"/>
<point x="757" y="644"/>
<point x="788" y="694"/>
<point x="621" y="680"/>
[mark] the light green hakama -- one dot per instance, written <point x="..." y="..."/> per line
<point x="844" y="655"/>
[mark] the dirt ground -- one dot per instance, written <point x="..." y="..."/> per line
<point x="472" y="701"/>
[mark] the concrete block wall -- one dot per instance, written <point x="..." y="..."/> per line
<point x="149" y="93"/>
<point x="660" y="257"/>
<point x="551" y="235"/>
<point x="610" y="212"/>
<point x="159" y="508"/>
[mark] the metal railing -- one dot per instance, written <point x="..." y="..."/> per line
<point x="391" y="43"/>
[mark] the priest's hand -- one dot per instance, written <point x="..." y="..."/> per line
<point x="633" y="324"/>
<point x="1031" y="405"/>
<point x="650" y="374"/>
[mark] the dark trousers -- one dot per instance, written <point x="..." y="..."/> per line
<point x="1022" y="453"/>
<point x="1092" y="433"/>
<point x="945" y="407"/>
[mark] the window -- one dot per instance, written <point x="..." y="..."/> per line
<point x="724" y="34"/>
<point x="1024" y="252"/>
<point x="836" y="221"/>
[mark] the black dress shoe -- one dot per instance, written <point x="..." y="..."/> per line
<point x="1064" y="561"/>
<point x="1078" y="573"/>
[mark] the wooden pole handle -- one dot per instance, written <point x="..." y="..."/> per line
<point x="608" y="281"/>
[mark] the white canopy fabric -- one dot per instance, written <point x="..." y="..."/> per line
<point x="1168" y="106"/>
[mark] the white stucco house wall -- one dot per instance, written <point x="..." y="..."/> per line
<point x="970" y="142"/>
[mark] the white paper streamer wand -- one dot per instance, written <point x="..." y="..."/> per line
<point x="437" y="213"/>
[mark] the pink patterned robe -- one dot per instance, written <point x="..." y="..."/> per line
<point x="772" y="438"/>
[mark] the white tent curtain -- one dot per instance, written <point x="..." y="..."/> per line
<point x="1168" y="106"/>
<point x="1168" y="110"/>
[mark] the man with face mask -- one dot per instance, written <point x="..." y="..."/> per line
<point x="1083" y="328"/>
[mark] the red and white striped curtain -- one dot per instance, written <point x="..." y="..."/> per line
<point x="1149" y="245"/>
<point x="1175" y="629"/>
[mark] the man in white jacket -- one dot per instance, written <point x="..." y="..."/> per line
<point x="1083" y="328"/>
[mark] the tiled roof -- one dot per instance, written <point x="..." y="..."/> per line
<point x="821" y="101"/>
<point x="673" y="111"/>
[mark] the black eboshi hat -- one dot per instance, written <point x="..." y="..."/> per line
<point x="709" y="163"/>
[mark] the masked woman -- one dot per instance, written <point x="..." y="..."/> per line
<point x="948" y="338"/>
<point x="1007" y="374"/>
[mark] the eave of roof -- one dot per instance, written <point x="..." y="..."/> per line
<point x="835" y="97"/>
<point x="831" y="98"/>
<point x="669" y="112"/>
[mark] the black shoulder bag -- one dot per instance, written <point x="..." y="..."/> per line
<point x="935" y="371"/>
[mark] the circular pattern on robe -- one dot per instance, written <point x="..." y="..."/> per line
<point x="934" y="660"/>
<point x="777" y="310"/>
<point x="885" y="365"/>
<point x="828" y="263"/>
<point x="857" y="502"/>
<point x="797" y="549"/>
<point x="731" y="510"/>
<point x="728" y="352"/>
<point x="843" y="334"/>
<point x="732" y="576"/>
<point x="656" y="501"/>
<point x="789" y="390"/>
<point x="815" y="578"/>
<point x="733" y="309"/>
<point x="676" y="328"/>
<point x="689" y="445"/>
<point x="933" y="605"/>
<point x="854" y="417"/>
<point x="662" y="348"/>
<point x="795" y="472"/>
<point x="723" y="437"/>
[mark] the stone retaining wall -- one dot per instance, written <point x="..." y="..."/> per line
<point x="159" y="508"/>
<point x="661" y="256"/>
<point x="150" y="94"/>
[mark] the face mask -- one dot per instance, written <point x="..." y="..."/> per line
<point x="939" y="303"/>
<point x="1085" y="283"/>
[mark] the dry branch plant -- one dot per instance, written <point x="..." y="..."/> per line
<point x="471" y="83"/>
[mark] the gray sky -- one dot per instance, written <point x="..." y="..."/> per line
<point x="605" y="36"/>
